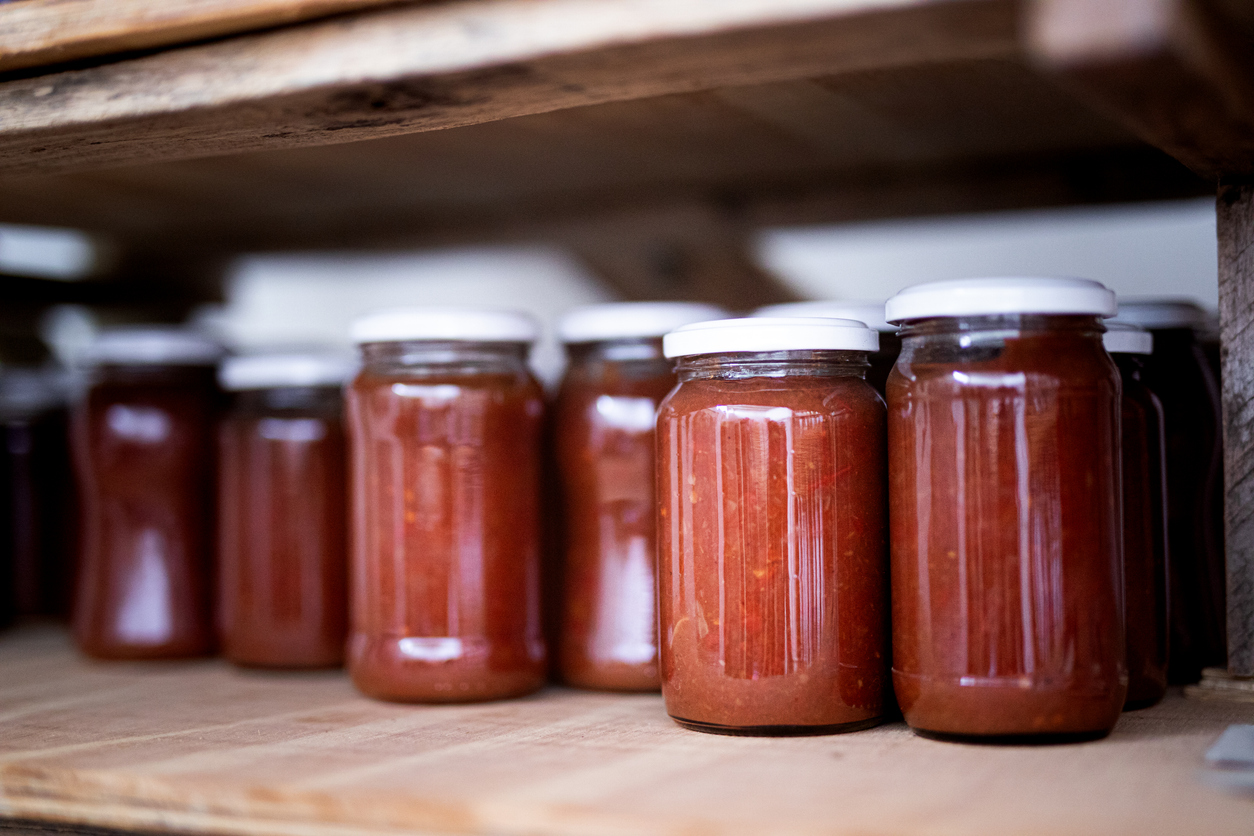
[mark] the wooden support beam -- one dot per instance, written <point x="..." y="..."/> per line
<point x="1177" y="73"/>
<point x="1235" y="208"/>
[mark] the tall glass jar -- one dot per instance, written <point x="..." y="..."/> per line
<point x="772" y="565"/>
<point x="870" y="312"/>
<point x="1144" y="517"/>
<point x="444" y="431"/>
<point x="143" y="440"/>
<point x="603" y="428"/>
<point x="1004" y="485"/>
<point x="282" y="546"/>
<point x="1178" y="373"/>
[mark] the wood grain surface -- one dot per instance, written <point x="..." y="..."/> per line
<point x="1235" y="217"/>
<point x="199" y="746"/>
<point x="40" y="32"/>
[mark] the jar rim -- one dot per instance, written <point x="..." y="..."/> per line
<point x="152" y="345"/>
<point x="270" y="371"/>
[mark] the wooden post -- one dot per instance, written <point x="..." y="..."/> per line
<point x="1235" y="211"/>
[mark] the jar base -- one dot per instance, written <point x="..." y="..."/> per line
<point x="777" y="731"/>
<point x="1046" y="739"/>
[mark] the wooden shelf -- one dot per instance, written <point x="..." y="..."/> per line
<point x="483" y="119"/>
<point x="202" y="747"/>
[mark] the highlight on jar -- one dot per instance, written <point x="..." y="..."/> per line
<point x="772" y="531"/>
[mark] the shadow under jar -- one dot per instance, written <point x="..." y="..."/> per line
<point x="444" y="432"/>
<point x="282" y="546"/>
<point x="143" y="442"/>
<point x="603" y="423"/>
<point x="772" y="564"/>
<point x="1144" y="518"/>
<point x="1004" y="485"/>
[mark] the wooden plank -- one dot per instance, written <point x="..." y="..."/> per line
<point x="40" y="32"/>
<point x="201" y="747"/>
<point x="403" y="70"/>
<point x="1176" y="72"/>
<point x="1235" y="216"/>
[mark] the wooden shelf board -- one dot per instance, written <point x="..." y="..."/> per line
<point x="36" y="33"/>
<point x="199" y="746"/>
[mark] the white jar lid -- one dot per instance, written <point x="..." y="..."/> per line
<point x="867" y="311"/>
<point x="1124" y="338"/>
<point x="489" y="325"/>
<point x="631" y="320"/>
<point x="1161" y="313"/>
<point x="994" y="296"/>
<point x="272" y="371"/>
<point x="156" y="345"/>
<point x="753" y="334"/>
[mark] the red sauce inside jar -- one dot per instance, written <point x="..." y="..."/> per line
<point x="1144" y="536"/>
<point x="282" y="547"/>
<point x="604" y="434"/>
<point x="773" y="577"/>
<point x="445" y="441"/>
<point x="144" y="455"/>
<point x="1004" y="492"/>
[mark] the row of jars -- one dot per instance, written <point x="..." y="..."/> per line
<point x="728" y="537"/>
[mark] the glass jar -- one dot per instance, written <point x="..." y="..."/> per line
<point x="867" y="311"/>
<point x="282" y="486"/>
<point x="143" y="440"/>
<point x="772" y="566"/>
<point x="1004" y="486"/>
<point x="1144" y="518"/>
<point x="1178" y="373"/>
<point x="603" y="426"/>
<point x="36" y="494"/>
<point x="444" y="430"/>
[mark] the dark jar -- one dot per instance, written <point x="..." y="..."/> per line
<point x="37" y="501"/>
<point x="603" y="428"/>
<point x="1144" y="518"/>
<point x="1178" y="373"/>
<point x="867" y="311"/>
<point x="282" y="518"/>
<point x="772" y="565"/>
<point x="1004" y="486"/>
<point x="143" y="440"/>
<point x="444" y="431"/>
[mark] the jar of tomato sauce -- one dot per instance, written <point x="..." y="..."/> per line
<point x="282" y="547"/>
<point x="603" y="426"/>
<point x="867" y="311"/>
<point x="1004" y="485"/>
<point x="1178" y="373"/>
<point x="444" y="430"/>
<point x="143" y="442"/>
<point x="772" y="564"/>
<point x="1144" y="517"/>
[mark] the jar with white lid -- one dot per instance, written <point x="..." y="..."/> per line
<point x="1004" y="491"/>
<point x="772" y="564"/>
<point x="143" y="443"/>
<point x="1145" y="557"/>
<point x="282" y="544"/>
<point x="1178" y="373"/>
<point x="444" y="431"/>
<point x="603" y="441"/>
<point x="870" y="312"/>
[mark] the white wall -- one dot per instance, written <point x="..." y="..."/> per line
<point x="1159" y="249"/>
